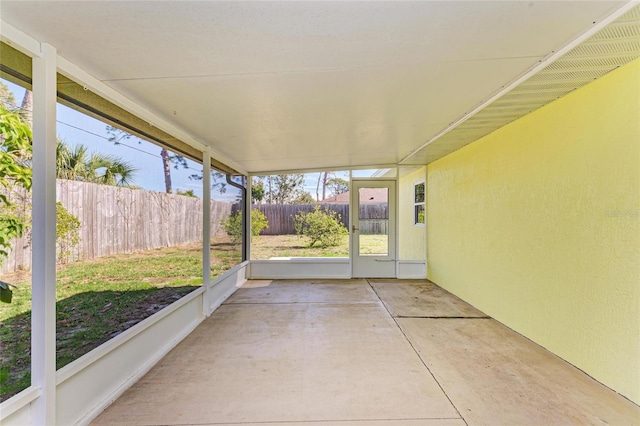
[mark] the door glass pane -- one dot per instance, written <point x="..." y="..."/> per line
<point x="373" y="221"/>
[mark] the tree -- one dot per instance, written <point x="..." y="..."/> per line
<point x="15" y="173"/>
<point x="26" y="108"/>
<point x="111" y="170"/>
<point x="304" y="198"/>
<point x="187" y="193"/>
<point x="72" y="164"/>
<point x="79" y="164"/>
<point x="118" y="135"/>
<point x="320" y="226"/>
<point x="257" y="191"/>
<point x="334" y="184"/>
<point x="323" y="180"/>
<point x="7" y="99"/>
<point x="67" y="233"/>
<point x="232" y="225"/>
<point x="167" y="170"/>
<point x="15" y="176"/>
<point x="283" y="189"/>
<point x="337" y="185"/>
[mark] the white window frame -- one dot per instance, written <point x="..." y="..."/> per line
<point x="416" y="203"/>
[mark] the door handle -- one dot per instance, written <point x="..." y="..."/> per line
<point x="354" y="229"/>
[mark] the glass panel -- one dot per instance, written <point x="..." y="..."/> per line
<point x="419" y="193"/>
<point x="373" y="221"/>
<point x="374" y="173"/>
<point x="226" y="223"/>
<point x="132" y="222"/>
<point x="300" y="215"/>
<point x="419" y="213"/>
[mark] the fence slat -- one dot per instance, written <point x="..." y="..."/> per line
<point x="280" y="216"/>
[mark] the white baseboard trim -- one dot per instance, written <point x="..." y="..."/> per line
<point x="412" y="269"/>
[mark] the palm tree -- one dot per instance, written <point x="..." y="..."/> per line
<point x="111" y="170"/>
<point x="78" y="163"/>
<point x="117" y="135"/>
<point x="72" y="163"/>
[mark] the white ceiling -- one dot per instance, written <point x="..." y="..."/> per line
<point x="298" y="85"/>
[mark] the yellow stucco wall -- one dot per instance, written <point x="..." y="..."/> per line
<point x="411" y="237"/>
<point x="537" y="224"/>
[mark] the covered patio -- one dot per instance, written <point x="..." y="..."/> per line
<point x="361" y="352"/>
<point x="504" y="288"/>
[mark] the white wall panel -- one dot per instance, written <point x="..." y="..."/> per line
<point x="300" y="268"/>
<point x="412" y="269"/>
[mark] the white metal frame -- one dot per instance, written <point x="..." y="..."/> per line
<point x="43" y="303"/>
<point x="319" y="267"/>
<point x="393" y="222"/>
<point x="424" y="203"/>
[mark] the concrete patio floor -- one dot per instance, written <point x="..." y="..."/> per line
<point x="361" y="352"/>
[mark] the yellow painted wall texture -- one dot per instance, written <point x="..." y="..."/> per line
<point x="537" y="224"/>
<point x="411" y="237"/>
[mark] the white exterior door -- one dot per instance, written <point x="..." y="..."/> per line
<point x="373" y="233"/>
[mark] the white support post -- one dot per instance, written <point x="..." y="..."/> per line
<point x="206" y="228"/>
<point x="247" y="212"/>
<point x="426" y="222"/>
<point x="43" y="304"/>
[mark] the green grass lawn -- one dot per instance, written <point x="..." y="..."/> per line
<point x="374" y="244"/>
<point x="267" y="246"/>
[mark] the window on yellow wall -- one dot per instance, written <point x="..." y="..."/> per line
<point x="418" y="203"/>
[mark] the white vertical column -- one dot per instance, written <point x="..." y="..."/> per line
<point x="206" y="228"/>
<point x="397" y="221"/>
<point x="350" y="224"/>
<point x="247" y="212"/>
<point x="426" y="223"/>
<point x="43" y="282"/>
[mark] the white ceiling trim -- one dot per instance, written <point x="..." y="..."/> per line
<point x="325" y="169"/>
<point x="466" y="136"/>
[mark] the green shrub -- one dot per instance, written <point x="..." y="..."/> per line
<point x="320" y="226"/>
<point x="258" y="222"/>
<point x="67" y="232"/>
<point x="232" y="225"/>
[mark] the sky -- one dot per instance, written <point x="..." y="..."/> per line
<point x="74" y="127"/>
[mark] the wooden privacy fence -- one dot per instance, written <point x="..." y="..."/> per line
<point x="280" y="217"/>
<point x="118" y="220"/>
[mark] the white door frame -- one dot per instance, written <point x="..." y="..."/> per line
<point x="372" y="266"/>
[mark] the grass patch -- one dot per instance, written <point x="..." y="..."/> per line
<point x="265" y="247"/>
<point x="101" y="298"/>
<point x="374" y="244"/>
<point x="268" y="246"/>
